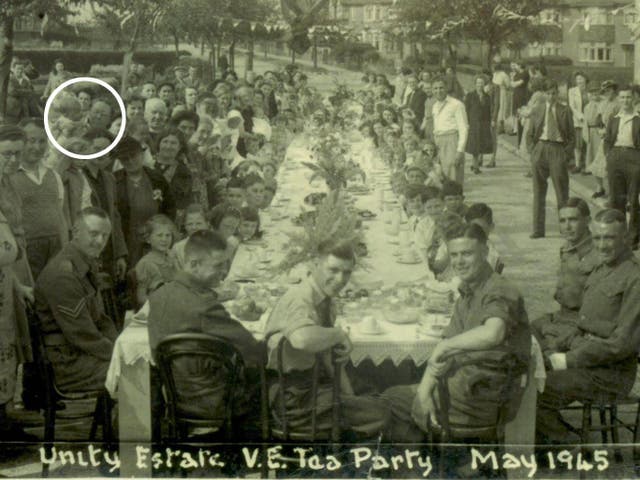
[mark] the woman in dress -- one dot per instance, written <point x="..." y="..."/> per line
<point x="171" y="162"/>
<point x="478" y="105"/>
<point x="15" y="286"/>
<point x="502" y="80"/>
<point x="141" y="194"/>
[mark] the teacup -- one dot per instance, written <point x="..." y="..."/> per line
<point x="370" y="324"/>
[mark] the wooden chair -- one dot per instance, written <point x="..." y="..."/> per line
<point x="109" y="300"/>
<point x="610" y="422"/>
<point x="54" y="399"/>
<point x="280" y="429"/>
<point x="493" y="433"/>
<point x="198" y="345"/>
<point x="231" y="363"/>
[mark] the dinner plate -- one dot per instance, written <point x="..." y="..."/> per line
<point x="405" y="261"/>
<point x="372" y="333"/>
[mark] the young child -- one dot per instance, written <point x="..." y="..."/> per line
<point x="590" y="131"/>
<point x="269" y="174"/>
<point x="481" y="214"/>
<point x="415" y="175"/>
<point x="249" y="228"/>
<point x="424" y="206"/>
<point x="156" y="267"/>
<point x="226" y="222"/>
<point x="453" y="197"/>
<point x="235" y="193"/>
<point x="195" y="219"/>
<point x="254" y="189"/>
<point x="269" y="193"/>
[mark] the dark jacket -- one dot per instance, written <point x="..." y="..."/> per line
<point x="416" y="104"/>
<point x="181" y="185"/>
<point x="182" y="306"/>
<point x="78" y="335"/>
<point x="611" y="133"/>
<point x="158" y="182"/>
<point x="108" y="182"/>
<point x="565" y="126"/>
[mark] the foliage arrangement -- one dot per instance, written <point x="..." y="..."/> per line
<point x="330" y="152"/>
<point x="334" y="225"/>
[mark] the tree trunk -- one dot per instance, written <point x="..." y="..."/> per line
<point x="250" y="53"/>
<point x="176" y="44"/>
<point x="213" y="59"/>
<point x="232" y="55"/>
<point x="6" y="55"/>
<point x="266" y="49"/>
<point x="293" y="57"/>
<point x="128" y="58"/>
<point x="490" y="52"/>
<point x="218" y="51"/>
<point x="202" y="47"/>
<point x="314" y="52"/>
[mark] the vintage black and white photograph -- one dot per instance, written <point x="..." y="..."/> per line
<point x="320" y="239"/>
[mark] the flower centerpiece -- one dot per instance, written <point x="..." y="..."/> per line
<point x="332" y="163"/>
<point x="333" y="225"/>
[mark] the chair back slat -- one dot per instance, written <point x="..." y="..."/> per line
<point x="227" y="359"/>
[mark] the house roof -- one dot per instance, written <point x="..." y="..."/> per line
<point x="361" y="3"/>
<point x="587" y="3"/>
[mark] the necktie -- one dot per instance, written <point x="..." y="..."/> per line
<point x="553" y="134"/>
<point x="324" y="312"/>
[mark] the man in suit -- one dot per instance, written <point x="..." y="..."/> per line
<point x="550" y="141"/>
<point x="577" y="101"/>
<point x="622" y="148"/>
<point x="415" y="98"/>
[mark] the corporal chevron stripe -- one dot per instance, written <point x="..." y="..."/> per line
<point x="73" y="312"/>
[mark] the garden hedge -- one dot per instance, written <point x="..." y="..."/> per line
<point x="80" y="61"/>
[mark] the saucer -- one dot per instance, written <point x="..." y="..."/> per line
<point x="363" y="331"/>
<point x="408" y="261"/>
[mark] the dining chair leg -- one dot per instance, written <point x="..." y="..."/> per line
<point x="603" y="423"/>
<point x="615" y="437"/>
<point x="49" y="435"/>
<point x="636" y="436"/>
<point x="96" y="419"/>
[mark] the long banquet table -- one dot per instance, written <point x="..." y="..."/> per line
<point x="128" y="376"/>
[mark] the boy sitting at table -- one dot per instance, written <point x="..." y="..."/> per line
<point x="481" y="214"/>
<point x="190" y="304"/>
<point x="453" y="196"/>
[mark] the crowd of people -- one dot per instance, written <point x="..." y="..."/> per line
<point x="158" y="220"/>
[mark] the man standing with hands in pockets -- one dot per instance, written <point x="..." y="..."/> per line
<point x="450" y="131"/>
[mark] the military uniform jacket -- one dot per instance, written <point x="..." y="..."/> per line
<point x="609" y="319"/>
<point x="76" y="331"/>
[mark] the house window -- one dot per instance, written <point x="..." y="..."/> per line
<point x="549" y="16"/>
<point x="548" y="48"/>
<point x="368" y="13"/>
<point x="598" y="16"/>
<point x="630" y="18"/>
<point x="595" y="53"/>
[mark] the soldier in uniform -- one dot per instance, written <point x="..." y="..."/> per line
<point x="78" y="336"/>
<point x="489" y="323"/>
<point x="305" y="316"/>
<point x="600" y="361"/>
<point x="578" y="258"/>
